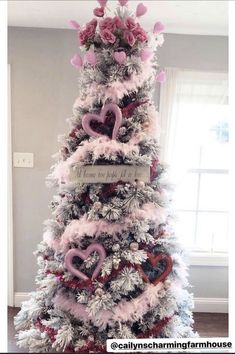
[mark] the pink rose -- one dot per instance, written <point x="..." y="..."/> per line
<point x="130" y="24"/>
<point x="140" y="34"/>
<point x="107" y="36"/>
<point x="117" y="23"/>
<point x="129" y="37"/>
<point x="88" y="32"/>
<point x="98" y="11"/>
<point x="106" y="24"/>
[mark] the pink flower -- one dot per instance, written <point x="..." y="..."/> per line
<point x="106" y="24"/>
<point x="88" y="32"/>
<point x="117" y="23"/>
<point x="140" y="34"/>
<point x="98" y="11"/>
<point x="107" y="36"/>
<point x="129" y="37"/>
<point x="130" y="24"/>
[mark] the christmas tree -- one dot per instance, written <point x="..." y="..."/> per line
<point x="110" y="265"/>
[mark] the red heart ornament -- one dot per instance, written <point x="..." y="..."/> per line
<point x="84" y="254"/>
<point x="154" y="260"/>
<point x="100" y="118"/>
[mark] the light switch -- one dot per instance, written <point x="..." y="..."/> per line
<point x="23" y="159"/>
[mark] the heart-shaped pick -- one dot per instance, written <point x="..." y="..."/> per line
<point x="102" y="2"/>
<point x="146" y="53"/>
<point x="161" y="77"/>
<point x="123" y="2"/>
<point x="158" y="28"/>
<point x="84" y="254"/>
<point x="76" y="61"/>
<point x="154" y="261"/>
<point x="100" y="118"/>
<point x="74" y="24"/>
<point x="141" y="10"/>
<point x="90" y="57"/>
<point x="120" y="57"/>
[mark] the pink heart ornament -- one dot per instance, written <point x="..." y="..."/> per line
<point x="161" y="77"/>
<point x="89" y="117"/>
<point x="120" y="57"/>
<point x="146" y="53"/>
<point x="90" y="57"/>
<point x="75" y="25"/>
<point x="158" y="28"/>
<point x="84" y="254"/>
<point x="76" y="61"/>
<point x="102" y="2"/>
<point x="141" y="10"/>
<point x="123" y="2"/>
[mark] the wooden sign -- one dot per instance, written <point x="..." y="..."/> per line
<point x="109" y="173"/>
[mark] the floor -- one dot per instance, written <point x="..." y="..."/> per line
<point x="206" y="324"/>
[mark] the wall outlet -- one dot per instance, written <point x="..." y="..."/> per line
<point x="23" y="159"/>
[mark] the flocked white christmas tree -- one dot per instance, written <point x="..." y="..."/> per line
<point x="110" y="265"/>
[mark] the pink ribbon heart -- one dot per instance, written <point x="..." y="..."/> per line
<point x="111" y="107"/>
<point x="120" y="57"/>
<point x="84" y="254"/>
<point x="141" y="10"/>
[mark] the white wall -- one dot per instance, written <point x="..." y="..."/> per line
<point x="44" y="87"/>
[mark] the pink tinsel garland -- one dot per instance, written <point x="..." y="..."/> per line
<point x="125" y="311"/>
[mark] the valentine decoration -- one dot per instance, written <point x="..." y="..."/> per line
<point x="141" y="10"/>
<point x="154" y="261"/>
<point x="77" y="61"/>
<point x="158" y="28"/>
<point x="161" y="77"/>
<point x="110" y="264"/>
<point x="102" y="2"/>
<point x="123" y="2"/>
<point x="100" y="118"/>
<point x="146" y="53"/>
<point x="74" y="24"/>
<point x="90" y="57"/>
<point x="84" y="254"/>
<point x="120" y="57"/>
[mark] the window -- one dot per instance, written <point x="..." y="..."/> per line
<point x="194" y="140"/>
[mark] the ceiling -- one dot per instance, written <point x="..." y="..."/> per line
<point x="187" y="17"/>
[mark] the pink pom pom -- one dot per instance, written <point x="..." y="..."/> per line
<point x="76" y="61"/>
<point x="74" y="24"/>
<point x="102" y="2"/>
<point x="141" y="10"/>
<point x="161" y="77"/>
<point x="123" y="2"/>
<point x="158" y="28"/>
<point x="90" y="57"/>
<point x="146" y="53"/>
<point x="120" y="57"/>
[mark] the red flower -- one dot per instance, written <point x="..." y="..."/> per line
<point x="140" y="34"/>
<point x="107" y="36"/>
<point x="88" y="32"/>
<point x="129" y="37"/>
<point x="106" y="24"/>
<point x="130" y="24"/>
<point x="117" y="23"/>
<point x="98" y="11"/>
